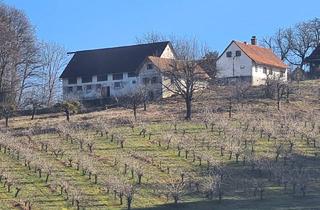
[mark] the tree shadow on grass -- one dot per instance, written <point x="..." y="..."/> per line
<point x="310" y="202"/>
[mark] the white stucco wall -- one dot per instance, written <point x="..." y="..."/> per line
<point x="168" y="53"/>
<point x="242" y="64"/>
<point x="127" y="82"/>
<point x="259" y="76"/>
<point x="156" y="88"/>
<point x="126" y="86"/>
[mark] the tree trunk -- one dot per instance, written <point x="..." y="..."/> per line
<point x="78" y="205"/>
<point x="230" y="107"/>
<point x="220" y="197"/>
<point x="17" y="192"/>
<point x="121" y="196"/>
<point x="175" y="198"/>
<point x="237" y="158"/>
<point x="261" y="194"/>
<point x="67" y="114"/>
<point x="125" y="169"/>
<point x="277" y="157"/>
<point x="95" y="178"/>
<point x="189" y="108"/>
<point x="139" y="179"/>
<point x="135" y="111"/>
<point x="33" y="112"/>
<point x="129" y="200"/>
<point x="47" y="177"/>
<point x="7" y="121"/>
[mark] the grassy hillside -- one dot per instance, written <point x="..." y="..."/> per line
<point x="260" y="158"/>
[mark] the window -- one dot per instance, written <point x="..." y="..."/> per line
<point x="134" y="82"/>
<point x="229" y="54"/>
<point x="264" y="70"/>
<point x="98" y="87"/>
<point x="146" y="81"/>
<point x="270" y="72"/>
<point x="79" y="88"/>
<point x="89" y="87"/>
<point x="102" y="77"/>
<point x="117" y="85"/>
<point x="132" y="74"/>
<point x="72" y="81"/>
<point x="86" y="79"/>
<point x="117" y="76"/>
<point x="238" y="53"/>
<point x="281" y="74"/>
<point x="150" y="66"/>
<point x="154" y="80"/>
<point x="69" y="89"/>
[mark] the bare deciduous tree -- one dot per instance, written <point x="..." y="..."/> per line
<point x="315" y="29"/>
<point x="280" y="42"/>
<point x="302" y="43"/>
<point x="132" y="100"/>
<point x="18" y="51"/>
<point x="54" y="59"/>
<point x="185" y="74"/>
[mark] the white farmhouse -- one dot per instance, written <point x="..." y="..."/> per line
<point x="250" y="62"/>
<point x="110" y="72"/>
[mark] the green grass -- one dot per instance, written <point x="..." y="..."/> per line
<point x="105" y="152"/>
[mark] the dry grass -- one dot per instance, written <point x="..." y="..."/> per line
<point x="158" y="120"/>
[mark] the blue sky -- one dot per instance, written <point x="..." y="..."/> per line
<point x="88" y="24"/>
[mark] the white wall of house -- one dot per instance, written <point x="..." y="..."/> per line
<point x="261" y="72"/>
<point x="127" y="84"/>
<point x="153" y="78"/>
<point x="168" y="53"/>
<point x="98" y="88"/>
<point x="242" y="64"/>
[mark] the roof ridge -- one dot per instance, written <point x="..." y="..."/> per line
<point x="255" y="53"/>
<point x="124" y="46"/>
<point x="252" y="45"/>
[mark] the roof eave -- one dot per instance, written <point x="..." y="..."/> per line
<point x="270" y="65"/>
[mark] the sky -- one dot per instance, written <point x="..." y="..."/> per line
<point x="90" y="24"/>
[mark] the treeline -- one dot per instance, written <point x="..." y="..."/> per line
<point x="29" y="68"/>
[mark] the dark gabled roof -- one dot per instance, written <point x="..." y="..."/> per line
<point x="315" y="55"/>
<point x="111" y="60"/>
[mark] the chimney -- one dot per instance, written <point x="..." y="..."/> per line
<point x="254" y="40"/>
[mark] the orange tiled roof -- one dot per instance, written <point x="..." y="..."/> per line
<point x="261" y="55"/>
<point x="166" y="65"/>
